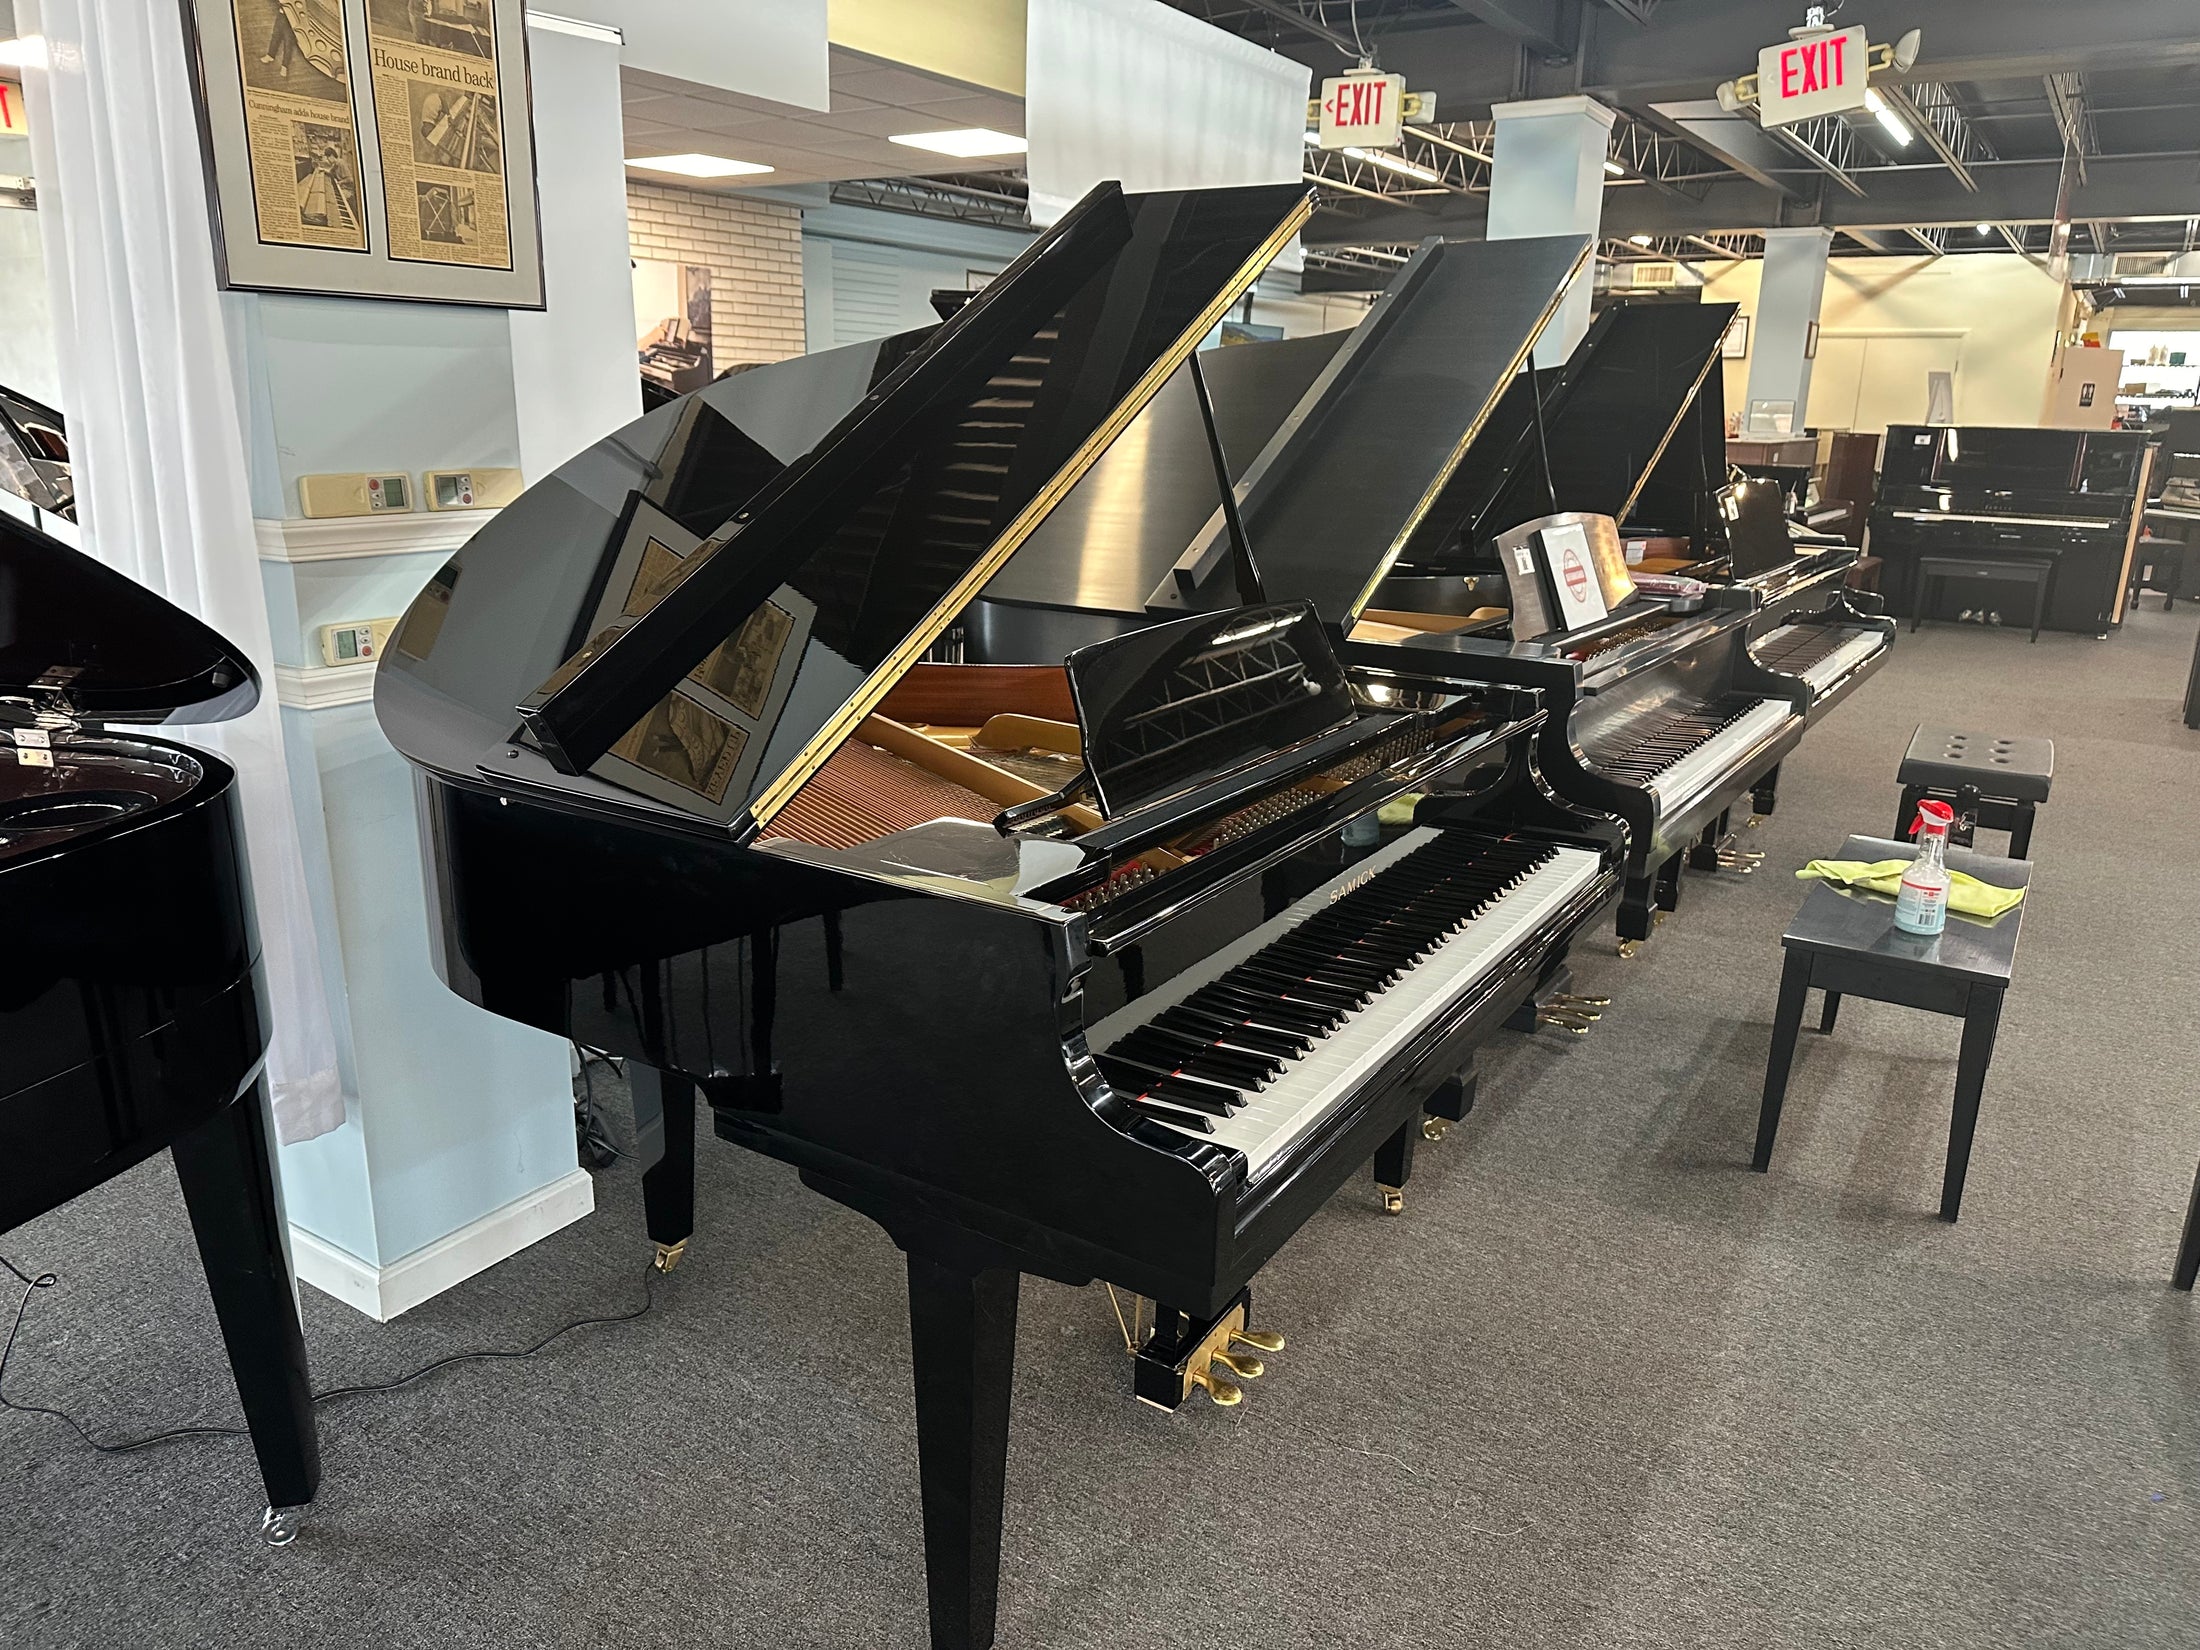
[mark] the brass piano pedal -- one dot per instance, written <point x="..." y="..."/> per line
<point x="1225" y="1394"/>
<point x="668" y="1255"/>
<point x="1394" y="1200"/>
<point x="1266" y="1339"/>
<point x="1574" y="1026"/>
<point x="1628" y="949"/>
<point x="1435" y="1128"/>
<point x="1243" y="1365"/>
<point x="1573" y="1011"/>
<point x="1575" y="1000"/>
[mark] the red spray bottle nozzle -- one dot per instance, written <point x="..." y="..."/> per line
<point x="1936" y="816"/>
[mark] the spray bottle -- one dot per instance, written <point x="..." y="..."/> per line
<point x="1922" y="905"/>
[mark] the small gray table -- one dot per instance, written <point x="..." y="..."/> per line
<point x="1846" y="944"/>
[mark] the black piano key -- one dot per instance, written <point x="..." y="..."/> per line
<point x="1293" y="985"/>
<point x="1316" y="1019"/>
<point x="1199" y="1056"/>
<point x="1177" y="1115"/>
<point x="1236" y="1031"/>
<point x="1140" y="1080"/>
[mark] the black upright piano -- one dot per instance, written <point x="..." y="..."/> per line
<point x="2070" y="497"/>
<point x="1096" y="967"/>
<point x="133" y="1015"/>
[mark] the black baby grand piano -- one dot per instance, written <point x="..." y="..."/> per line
<point x="1060" y="968"/>
<point x="132" y="1013"/>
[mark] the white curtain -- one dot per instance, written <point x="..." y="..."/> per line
<point x="1137" y="91"/>
<point x="154" y="431"/>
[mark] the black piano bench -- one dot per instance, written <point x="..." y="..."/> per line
<point x="1987" y="780"/>
<point x="2036" y="571"/>
<point x="1847" y="945"/>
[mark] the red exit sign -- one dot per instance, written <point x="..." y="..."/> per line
<point x="1821" y="74"/>
<point x="1362" y="110"/>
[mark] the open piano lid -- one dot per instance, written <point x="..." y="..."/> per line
<point x="1333" y="499"/>
<point x="702" y="666"/>
<point x="84" y="643"/>
<point x="1609" y="417"/>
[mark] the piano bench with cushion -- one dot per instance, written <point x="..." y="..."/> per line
<point x="2037" y="571"/>
<point x="1845" y="943"/>
<point x="1989" y="781"/>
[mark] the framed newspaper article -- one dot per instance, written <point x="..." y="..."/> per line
<point x="370" y="148"/>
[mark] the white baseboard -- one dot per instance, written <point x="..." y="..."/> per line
<point x="382" y="1292"/>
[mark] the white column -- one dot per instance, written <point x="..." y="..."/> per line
<point x="1790" y="286"/>
<point x="1548" y="179"/>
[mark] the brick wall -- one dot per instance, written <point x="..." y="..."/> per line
<point x="754" y="249"/>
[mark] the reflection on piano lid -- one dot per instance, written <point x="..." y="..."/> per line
<point x="713" y="674"/>
<point x="34" y="454"/>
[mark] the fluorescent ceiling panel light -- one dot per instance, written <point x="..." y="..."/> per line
<point x="1391" y="163"/>
<point x="27" y="52"/>
<point x="967" y="143"/>
<point x="1897" y="128"/>
<point x="696" y="166"/>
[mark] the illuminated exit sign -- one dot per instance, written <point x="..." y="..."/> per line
<point x="1362" y="110"/>
<point x="1822" y="74"/>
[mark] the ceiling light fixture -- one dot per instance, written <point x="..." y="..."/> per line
<point x="25" y="52"/>
<point x="1985" y="229"/>
<point x="696" y="166"/>
<point x="1897" y="128"/>
<point x="966" y="143"/>
<point x="1375" y="157"/>
<point x="1638" y="240"/>
<point x="1614" y="167"/>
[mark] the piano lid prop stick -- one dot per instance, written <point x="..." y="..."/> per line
<point x="1249" y="591"/>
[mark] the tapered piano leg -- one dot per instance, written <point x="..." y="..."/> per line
<point x="1636" y="903"/>
<point x="1703" y="855"/>
<point x="1394" y="1166"/>
<point x="962" y="1336"/>
<point x="227" y="1169"/>
<point x="1669" y="884"/>
<point x="664" y="1127"/>
<point x="1766" y="796"/>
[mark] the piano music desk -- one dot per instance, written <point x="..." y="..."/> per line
<point x="1846" y="944"/>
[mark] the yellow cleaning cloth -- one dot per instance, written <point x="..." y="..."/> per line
<point x="1966" y="894"/>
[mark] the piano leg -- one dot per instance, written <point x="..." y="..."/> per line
<point x="1669" y="884"/>
<point x="1394" y="1166"/>
<point x="1455" y="1099"/>
<point x="664" y="1128"/>
<point x="1635" y="903"/>
<point x="1766" y="795"/>
<point x="1704" y="855"/>
<point x="962" y="1338"/>
<point x="227" y="1169"/>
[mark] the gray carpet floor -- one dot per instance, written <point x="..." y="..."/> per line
<point x="1598" y="1387"/>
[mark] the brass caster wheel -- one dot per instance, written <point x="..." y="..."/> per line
<point x="279" y="1525"/>
<point x="1435" y="1128"/>
<point x="668" y="1255"/>
<point x="1628" y="949"/>
<point x="1394" y="1201"/>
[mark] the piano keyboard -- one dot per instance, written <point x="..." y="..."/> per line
<point x="1265" y="1038"/>
<point x="1820" y="654"/>
<point x="1683" y="751"/>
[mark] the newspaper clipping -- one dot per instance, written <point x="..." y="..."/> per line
<point x="299" y="124"/>
<point x="433" y="66"/>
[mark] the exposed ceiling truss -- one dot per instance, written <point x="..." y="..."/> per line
<point x="1001" y="199"/>
<point x="1933" y="111"/>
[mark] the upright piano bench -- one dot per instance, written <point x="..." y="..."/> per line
<point x="2038" y="571"/>
<point x="1990" y="781"/>
<point x="1846" y="945"/>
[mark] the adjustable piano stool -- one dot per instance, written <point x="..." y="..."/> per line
<point x="1988" y="781"/>
<point x="1846" y="944"/>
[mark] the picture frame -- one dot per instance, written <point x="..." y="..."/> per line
<point x="369" y="148"/>
<point x="1734" y="346"/>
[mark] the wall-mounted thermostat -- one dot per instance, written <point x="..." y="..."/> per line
<point x="469" y="489"/>
<point x="320" y="496"/>
<point x="351" y="644"/>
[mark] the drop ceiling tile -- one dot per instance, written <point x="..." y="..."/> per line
<point x="904" y="86"/>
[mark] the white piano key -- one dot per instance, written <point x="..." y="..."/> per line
<point x="1843" y="659"/>
<point x="1313" y="1086"/>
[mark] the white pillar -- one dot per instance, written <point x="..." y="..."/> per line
<point x="1548" y="179"/>
<point x="1790" y="286"/>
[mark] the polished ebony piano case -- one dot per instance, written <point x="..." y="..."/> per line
<point x="133" y="1015"/>
<point x="1103" y="968"/>
<point x="2073" y="498"/>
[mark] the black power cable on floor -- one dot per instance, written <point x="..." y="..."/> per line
<point x="47" y="1280"/>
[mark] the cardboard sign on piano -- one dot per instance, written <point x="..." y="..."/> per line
<point x="1565" y="571"/>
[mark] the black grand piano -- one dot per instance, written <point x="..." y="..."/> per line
<point x="1386" y="496"/>
<point x="133" y="1016"/>
<point x="1064" y="967"/>
<point x="2071" y="498"/>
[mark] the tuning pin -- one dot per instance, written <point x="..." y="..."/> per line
<point x="1223" y="1393"/>
<point x="1394" y="1200"/>
<point x="1266" y="1339"/>
<point x="1244" y="1366"/>
<point x="1435" y="1128"/>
